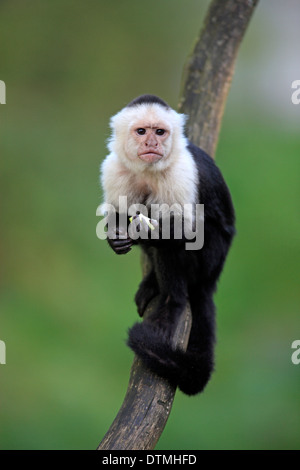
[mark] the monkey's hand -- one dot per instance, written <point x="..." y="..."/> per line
<point x="119" y="241"/>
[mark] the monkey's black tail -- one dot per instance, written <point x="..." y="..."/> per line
<point x="190" y="370"/>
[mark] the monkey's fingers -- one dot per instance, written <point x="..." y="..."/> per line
<point x="123" y="250"/>
<point x="120" y="246"/>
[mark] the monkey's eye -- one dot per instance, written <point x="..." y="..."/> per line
<point x="141" y="131"/>
<point x="160" y="131"/>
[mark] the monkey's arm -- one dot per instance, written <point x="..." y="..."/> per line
<point x="119" y="239"/>
<point x="117" y="234"/>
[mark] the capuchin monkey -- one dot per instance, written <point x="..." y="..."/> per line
<point x="152" y="163"/>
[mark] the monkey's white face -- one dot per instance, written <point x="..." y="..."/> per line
<point x="149" y="141"/>
<point x="144" y="137"/>
<point x="149" y="159"/>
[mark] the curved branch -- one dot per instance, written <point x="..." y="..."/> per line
<point x="207" y="78"/>
<point x="209" y="70"/>
<point x="148" y="401"/>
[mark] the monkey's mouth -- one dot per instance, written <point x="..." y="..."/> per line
<point x="150" y="157"/>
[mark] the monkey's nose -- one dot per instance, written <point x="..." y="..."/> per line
<point x="151" y="143"/>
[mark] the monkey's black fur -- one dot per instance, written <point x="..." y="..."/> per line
<point x="179" y="275"/>
<point x="148" y="99"/>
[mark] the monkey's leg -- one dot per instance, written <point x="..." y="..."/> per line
<point x="148" y="289"/>
<point x="151" y="340"/>
<point x="173" y="290"/>
<point x="190" y="370"/>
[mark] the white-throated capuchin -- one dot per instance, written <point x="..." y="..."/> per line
<point x="153" y="164"/>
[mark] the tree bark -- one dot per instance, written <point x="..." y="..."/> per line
<point x="209" y="70"/>
<point x="207" y="77"/>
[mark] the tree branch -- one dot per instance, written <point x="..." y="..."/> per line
<point x="209" y="70"/>
<point x="208" y="73"/>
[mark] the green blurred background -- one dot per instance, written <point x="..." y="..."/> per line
<point x="66" y="299"/>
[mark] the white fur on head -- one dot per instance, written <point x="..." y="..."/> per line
<point x="172" y="180"/>
<point x="121" y="143"/>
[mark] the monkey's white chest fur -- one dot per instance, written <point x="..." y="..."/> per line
<point x="177" y="184"/>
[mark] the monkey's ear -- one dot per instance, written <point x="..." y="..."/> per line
<point x="120" y="123"/>
<point x="182" y="119"/>
<point x="122" y="119"/>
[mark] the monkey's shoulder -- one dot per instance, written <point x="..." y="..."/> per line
<point x="213" y="190"/>
<point x="207" y="168"/>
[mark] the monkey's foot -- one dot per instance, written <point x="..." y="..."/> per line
<point x="190" y="371"/>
